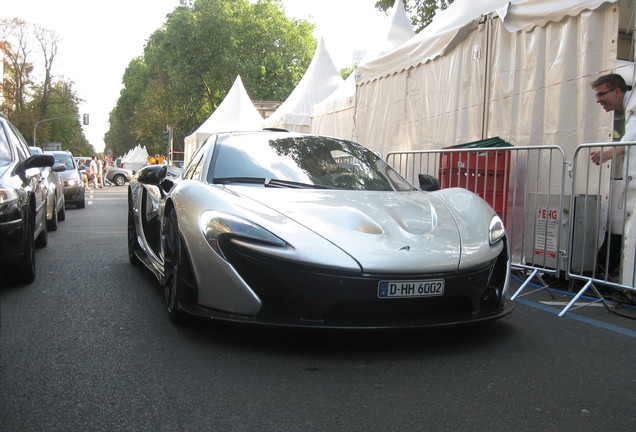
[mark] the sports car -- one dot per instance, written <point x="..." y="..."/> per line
<point x="288" y="229"/>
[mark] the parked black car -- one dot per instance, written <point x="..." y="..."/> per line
<point x="22" y="204"/>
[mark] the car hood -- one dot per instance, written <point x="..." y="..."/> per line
<point x="383" y="231"/>
<point x="69" y="174"/>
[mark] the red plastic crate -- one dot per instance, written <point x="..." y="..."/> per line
<point x="482" y="172"/>
<point x="475" y="181"/>
<point x="492" y="160"/>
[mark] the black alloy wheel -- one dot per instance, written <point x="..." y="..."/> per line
<point x="133" y="244"/>
<point x="24" y="271"/>
<point x="51" y="225"/>
<point x="178" y="278"/>
<point x="43" y="238"/>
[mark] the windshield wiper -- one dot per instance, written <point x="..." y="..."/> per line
<point x="268" y="182"/>
<point x="291" y="184"/>
<point x="226" y="180"/>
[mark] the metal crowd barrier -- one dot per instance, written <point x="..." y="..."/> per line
<point x="606" y="201"/>
<point x="556" y="212"/>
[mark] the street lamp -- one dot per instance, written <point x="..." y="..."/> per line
<point x="55" y="118"/>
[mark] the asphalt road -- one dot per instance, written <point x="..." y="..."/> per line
<point x="88" y="347"/>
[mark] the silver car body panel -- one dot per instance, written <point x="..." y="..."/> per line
<point x="386" y="232"/>
<point x="351" y="231"/>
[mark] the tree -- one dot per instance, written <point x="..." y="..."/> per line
<point x="421" y="12"/>
<point x="190" y="63"/>
<point x="48" y="42"/>
<point x="26" y="101"/>
<point x="16" y="49"/>
<point x="346" y="71"/>
<point x="62" y="101"/>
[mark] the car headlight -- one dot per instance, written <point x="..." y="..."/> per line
<point x="214" y="224"/>
<point x="496" y="230"/>
<point x="7" y="195"/>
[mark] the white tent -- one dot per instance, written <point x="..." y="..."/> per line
<point x="334" y="115"/>
<point x="517" y="69"/>
<point x="235" y="113"/>
<point x="320" y="79"/>
<point x="135" y="158"/>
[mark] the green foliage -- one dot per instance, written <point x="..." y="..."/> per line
<point x="25" y="101"/>
<point x="346" y="71"/>
<point x="421" y="12"/>
<point x="68" y="131"/>
<point x="190" y="63"/>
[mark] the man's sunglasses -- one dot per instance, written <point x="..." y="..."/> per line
<point x="599" y="94"/>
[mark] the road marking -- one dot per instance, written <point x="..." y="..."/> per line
<point x="596" y="323"/>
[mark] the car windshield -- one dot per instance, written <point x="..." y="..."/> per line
<point x="65" y="159"/>
<point x="299" y="161"/>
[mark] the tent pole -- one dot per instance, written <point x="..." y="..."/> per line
<point x="485" y="119"/>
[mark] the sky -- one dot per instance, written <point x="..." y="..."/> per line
<point x="99" y="39"/>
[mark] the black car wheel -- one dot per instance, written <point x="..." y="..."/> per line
<point x="24" y="271"/>
<point x="43" y="238"/>
<point x="51" y="225"/>
<point x="178" y="279"/>
<point x="119" y="180"/>
<point x="133" y="244"/>
<point x="61" y="216"/>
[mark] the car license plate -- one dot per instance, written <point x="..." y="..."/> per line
<point x="412" y="288"/>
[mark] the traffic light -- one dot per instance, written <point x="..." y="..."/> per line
<point x="166" y="138"/>
<point x="85" y="119"/>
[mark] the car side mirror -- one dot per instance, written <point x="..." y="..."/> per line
<point x="428" y="183"/>
<point x="59" y="167"/>
<point x="152" y="174"/>
<point x="38" y="160"/>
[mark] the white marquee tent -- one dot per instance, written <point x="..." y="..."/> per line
<point x="135" y="158"/>
<point x="320" y="80"/>
<point x="517" y="69"/>
<point x="235" y="113"/>
<point x="334" y="115"/>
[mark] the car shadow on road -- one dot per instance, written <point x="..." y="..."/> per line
<point x="335" y="342"/>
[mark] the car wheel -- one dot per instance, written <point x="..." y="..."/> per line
<point x="119" y="180"/>
<point x="24" y="271"/>
<point x="133" y="244"/>
<point x="61" y="216"/>
<point x="51" y="225"/>
<point x="81" y="203"/>
<point x="43" y="238"/>
<point x="178" y="278"/>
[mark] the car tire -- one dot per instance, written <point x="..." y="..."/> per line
<point x="119" y="180"/>
<point x="24" y="270"/>
<point x="51" y="225"/>
<point x="43" y="238"/>
<point x="133" y="244"/>
<point x="61" y="216"/>
<point x="178" y="278"/>
<point x="81" y="203"/>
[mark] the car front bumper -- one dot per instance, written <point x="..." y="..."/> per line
<point x="293" y="295"/>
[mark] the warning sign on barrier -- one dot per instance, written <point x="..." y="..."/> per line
<point x="545" y="242"/>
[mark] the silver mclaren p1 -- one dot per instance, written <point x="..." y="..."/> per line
<point x="288" y="229"/>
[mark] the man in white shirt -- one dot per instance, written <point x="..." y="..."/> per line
<point x="612" y="94"/>
<point x="93" y="171"/>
